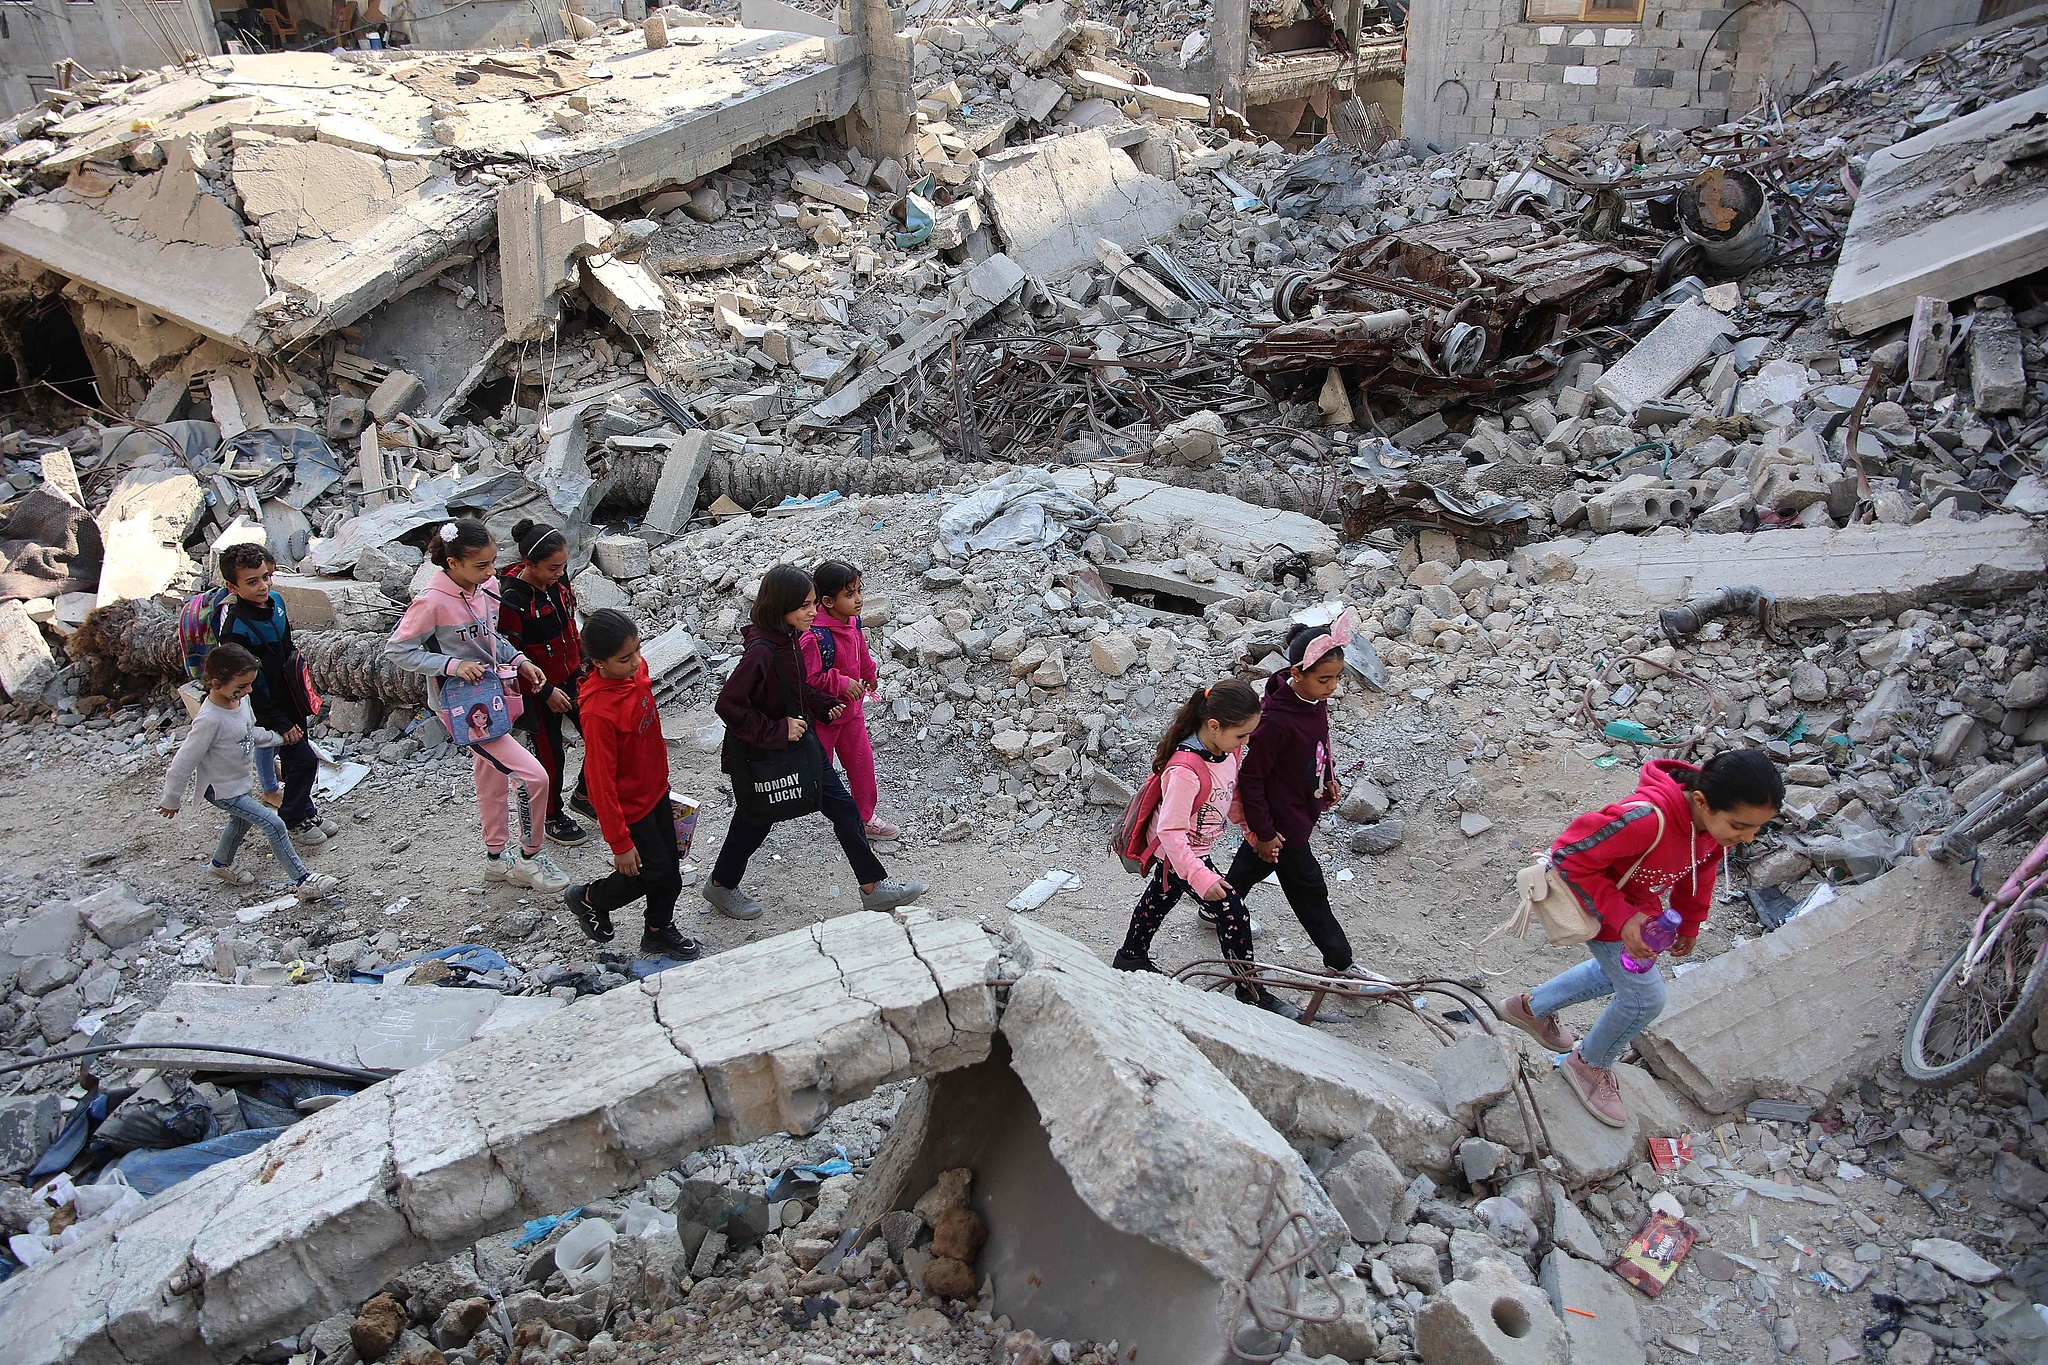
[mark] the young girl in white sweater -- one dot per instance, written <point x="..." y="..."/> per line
<point x="219" y="753"/>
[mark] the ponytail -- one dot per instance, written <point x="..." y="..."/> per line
<point x="1228" y="703"/>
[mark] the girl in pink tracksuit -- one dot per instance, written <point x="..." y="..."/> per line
<point x="1196" y="767"/>
<point x="837" y="663"/>
<point x="451" y="630"/>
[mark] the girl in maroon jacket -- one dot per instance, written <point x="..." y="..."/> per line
<point x="755" y="708"/>
<point x="537" y="613"/>
<point x="1667" y="841"/>
<point x="1288" y="779"/>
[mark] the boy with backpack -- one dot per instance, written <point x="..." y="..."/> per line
<point x="249" y="614"/>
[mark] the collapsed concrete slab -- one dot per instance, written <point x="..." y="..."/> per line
<point x="1855" y="571"/>
<point x="1588" y="1148"/>
<point x="540" y="240"/>
<point x="1310" y="1086"/>
<point x="1052" y="200"/>
<point x="1813" y="1007"/>
<point x="609" y="1090"/>
<point x="378" y="1028"/>
<point x="1900" y="247"/>
<point x="352" y="183"/>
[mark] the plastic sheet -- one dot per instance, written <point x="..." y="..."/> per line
<point x="642" y="1220"/>
<point x="584" y="1255"/>
<point x="1021" y="510"/>
<point x="151" y="1173"/>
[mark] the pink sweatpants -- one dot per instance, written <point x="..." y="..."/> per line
<point x="496" y="762"/>
<point x="848" y="741"/>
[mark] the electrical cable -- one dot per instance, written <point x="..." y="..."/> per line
<point x="73" y="1054"/>
<point x="1699" y="75"/>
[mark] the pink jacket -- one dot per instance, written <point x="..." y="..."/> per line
<point x="1183" y="834"/>
<point x="446" y="626"/>
<point x="851" y="662"/>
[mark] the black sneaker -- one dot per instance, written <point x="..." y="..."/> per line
<point x="1135" y="962"/>
<point x="567" y="832"/>
<point x="580" y="801"/>
<point x="1273" y="1004"/>
<point x="668" y="941"/>
<point x="595" y="924"/>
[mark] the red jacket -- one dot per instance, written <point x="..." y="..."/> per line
<point x="1597" y="849"/>
<point x="625" y="758"/>
<point x="542" y="623"/>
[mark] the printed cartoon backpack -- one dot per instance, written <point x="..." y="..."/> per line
<point x="1131" y="834"/>
<point x="199" y="625"/>
<point x="828" y="648"/>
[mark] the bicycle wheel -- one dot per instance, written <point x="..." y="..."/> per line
<point x="1960" y="844"/>
<point x="1960" y="1028"/>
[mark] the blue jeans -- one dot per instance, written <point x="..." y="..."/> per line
<point x="245" y="812"/>
<point x="266" y="769"/>
<point x="1638" y="999"/>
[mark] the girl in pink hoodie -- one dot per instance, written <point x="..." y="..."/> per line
<point x="451" y="630"/>
<point x="1196" y="764"/>
<point x="837" y="663"/>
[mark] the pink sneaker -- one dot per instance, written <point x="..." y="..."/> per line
<point x="878" y="828"/>
<point x="1549" y="1031"/>
<point x="1598" y="1090"/>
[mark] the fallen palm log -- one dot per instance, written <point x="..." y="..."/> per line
<point x="130" y="645"/>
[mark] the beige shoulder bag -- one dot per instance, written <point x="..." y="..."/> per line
<point x="1542" y="897"/>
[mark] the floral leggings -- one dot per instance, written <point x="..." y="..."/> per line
<point x="1163" y="892"/>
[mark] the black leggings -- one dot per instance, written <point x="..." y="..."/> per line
<point x="545" y="725"/>
<point x="1308" y="895"/>
<point x="1163" y="891"/>
<point x="743" y="838"/>
<point x="661" y="872"/>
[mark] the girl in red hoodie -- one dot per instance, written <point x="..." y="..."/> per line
<point x="1667" y="841"/>
<point x="626" y="764"/>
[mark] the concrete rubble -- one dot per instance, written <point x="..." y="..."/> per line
<point x="1045" y="318"/>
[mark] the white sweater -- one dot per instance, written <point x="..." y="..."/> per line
<point x="219" y="750"/>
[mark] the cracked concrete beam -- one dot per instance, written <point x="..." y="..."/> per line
<point x="569" y="1108"/>
<point x="1306" y="1084"/>
<point x="309" y="1230"/>
<point x="781" y="1036"/>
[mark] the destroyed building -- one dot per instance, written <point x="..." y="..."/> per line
<point x="1624" y="429"/>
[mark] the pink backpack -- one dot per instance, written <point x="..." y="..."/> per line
<point x="1132" y="835"/>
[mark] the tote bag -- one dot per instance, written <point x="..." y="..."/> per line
<point x="773" y="785"/>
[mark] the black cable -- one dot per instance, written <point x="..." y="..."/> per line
<point x="1699" y="75"/>
<point x="353" y="1073"/>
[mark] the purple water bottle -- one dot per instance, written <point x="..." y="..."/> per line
<point x="1659" y="934"/>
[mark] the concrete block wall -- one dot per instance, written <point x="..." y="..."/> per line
<point x="1477" y="69"/>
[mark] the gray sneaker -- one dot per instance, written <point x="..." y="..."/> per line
<point x="890" y="894"/>
<point x="731" y="902"/>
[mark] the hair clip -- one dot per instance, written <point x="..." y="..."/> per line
<point x="448" y="531"/>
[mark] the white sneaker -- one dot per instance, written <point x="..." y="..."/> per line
<point x="233" y="876"/>
<point x="536" y="872"/>
<point x="317" y="886"/>
<point x="497" y="866"/>
<point x="309" y="836"/>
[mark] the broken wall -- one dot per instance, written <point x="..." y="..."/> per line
<point x="34" y="34"/>
<point x="1480" y="68"/>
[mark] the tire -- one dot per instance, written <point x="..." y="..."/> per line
<point x="1988" y="826"/>
<point x="1925" y="1057"/>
